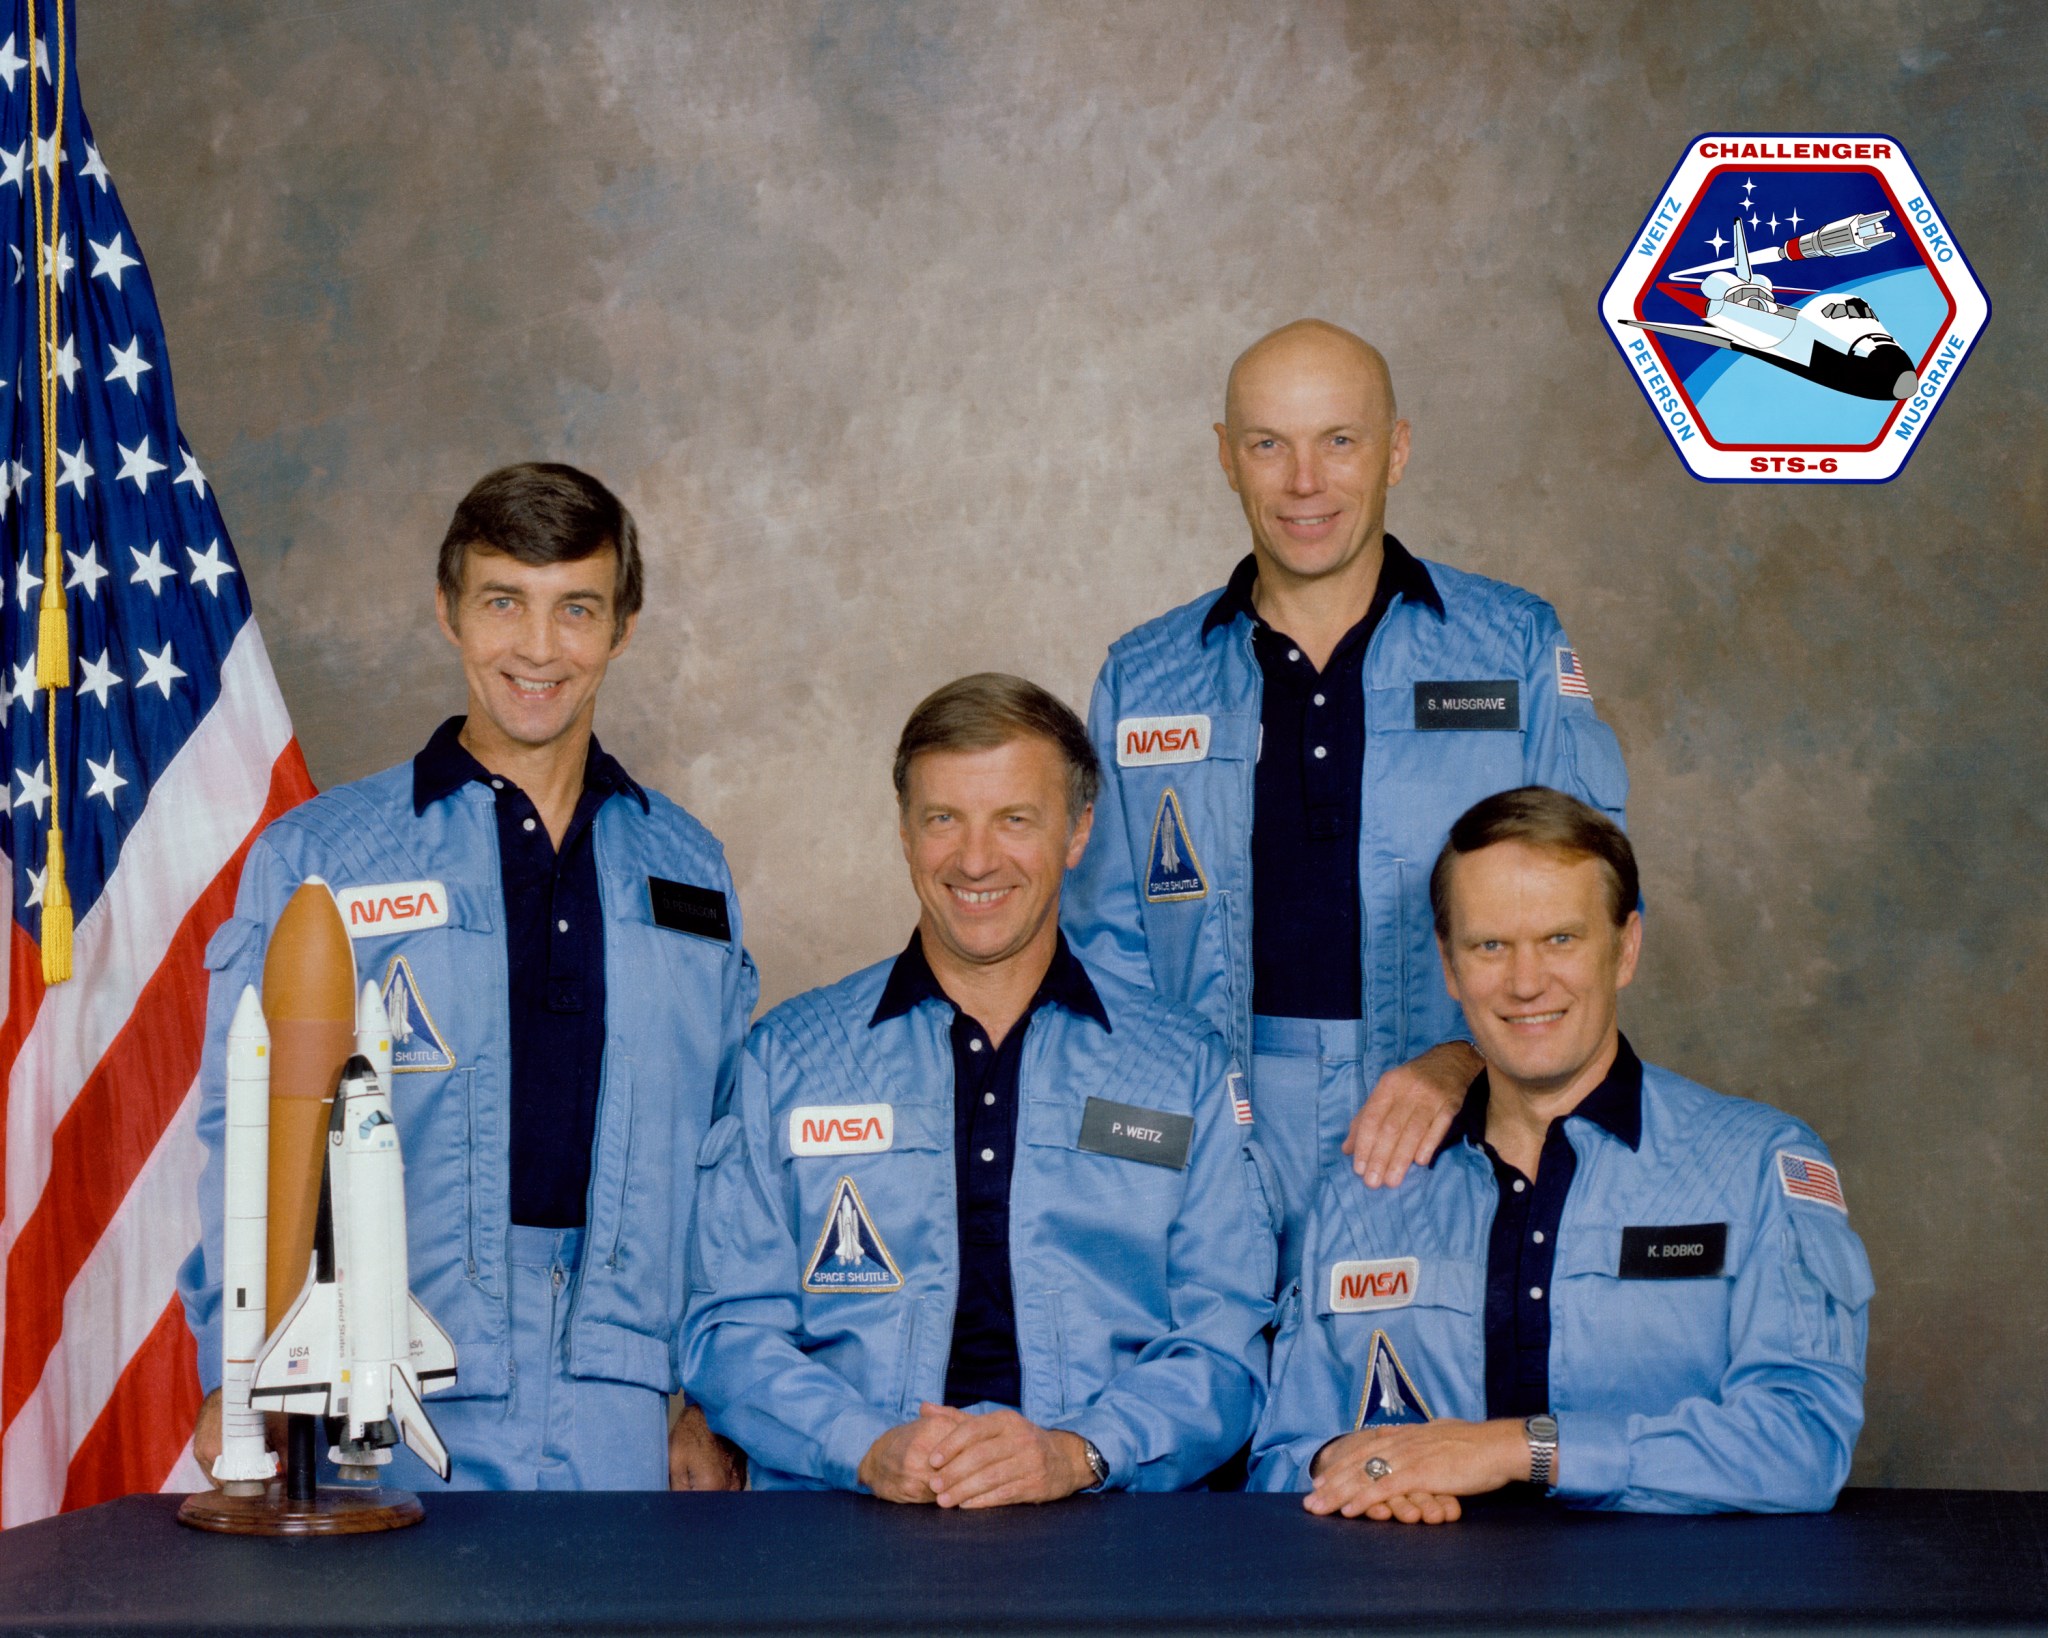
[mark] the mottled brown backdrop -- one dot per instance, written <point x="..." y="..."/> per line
<point x="901" y="327"/>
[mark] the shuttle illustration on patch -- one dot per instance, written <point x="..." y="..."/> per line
<point x="850" y="1257"/>
<point x="1794" y="308"/>
<point x="1389" y="1399"/>
<point x="1171" y="869"/>
<point x="417" y="1047"/>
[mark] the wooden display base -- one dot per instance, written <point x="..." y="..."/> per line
<point x="336" y="1511"/>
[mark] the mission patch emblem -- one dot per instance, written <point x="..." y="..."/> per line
<point x="1794" y="308"/>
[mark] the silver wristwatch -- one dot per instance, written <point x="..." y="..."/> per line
<point x="1098" y="1464"/>
<point x="1541" y="1432"/>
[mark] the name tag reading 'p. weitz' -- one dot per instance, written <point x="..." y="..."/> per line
<point x="1132" y="1132"/>
<point x="1467" y="705"/>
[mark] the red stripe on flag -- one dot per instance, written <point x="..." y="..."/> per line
<point x="141" y="1430"/>
<point x="113" y="1125"/>
<point x="24" y="999"/>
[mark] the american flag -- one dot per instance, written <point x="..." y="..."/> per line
<point x="1806" y="1179"/>
<point x="1240" y="1105"/>
<point x="173" y="750"/>
<point x="1571" y="676"/>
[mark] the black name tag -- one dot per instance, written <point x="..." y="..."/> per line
<point x="1691" y="1251"/>
<point x="1469" y="705"/>
<point x="686" y="909"/>
<point x="1131" y="1132"/>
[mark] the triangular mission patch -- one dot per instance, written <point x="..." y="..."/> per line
<point x="1171" y="869"/>
<point x="850" y="1256"/>
<point x="416" y="1045"/>
<point x="1390" y="1398"/>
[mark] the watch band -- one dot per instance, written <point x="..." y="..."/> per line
<point x="1541" y="1432"/>
<point x="1098" y="1464"/>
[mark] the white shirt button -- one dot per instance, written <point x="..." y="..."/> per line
<point x="1321" y="753"/>
<point x="973" y="1046"/>
<point x="988" y="1097"/>
<point x="1319" y="699"/>
<point x="1294" y="654"/>
<point x="988" y="1154"/>
<point x="1537" y="1237"/>
<point x="497" y="784"/>
<point x="1520" y="1185"/>
<point x="563" y="927"/>
<point x="1536" y="1293"/>
<point x="526" y="824"/>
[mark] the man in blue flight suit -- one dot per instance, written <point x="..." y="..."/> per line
<point x="568" y="1001"/>
<point x="980" y="1228"/>
<point x="1610" y="1282"/>
<point x="1284" y="757"/>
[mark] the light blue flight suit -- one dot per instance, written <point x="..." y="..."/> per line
<point x="1187" y="930"/>
<point x="565" y="1338"/>
<point x="1736" y="1390"/>
<point x="825" y="1280"/>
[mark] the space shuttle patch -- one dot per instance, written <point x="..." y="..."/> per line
<point x="1390" y="1399"/>
<point x="416" y="1045"/>
<point x="1171" y="869"/>
<point x="850" y="1257"/>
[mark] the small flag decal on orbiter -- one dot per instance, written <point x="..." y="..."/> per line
<point x="416" y="1045"/>
<point x="850" y="1257"/>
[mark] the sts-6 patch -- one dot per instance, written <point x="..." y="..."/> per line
<point x="850" y="1256"/>
<point x="1794" y="308"/>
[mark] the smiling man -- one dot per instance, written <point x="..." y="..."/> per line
<point x="567" y="1009"/>
<point x="1283" y="757"/>
<point x="1611" y="1282"/>
<point x="980" y="1229"/>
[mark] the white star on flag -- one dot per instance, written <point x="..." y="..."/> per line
<point x="35" y="789"/>
<point x="11" y="63"/>
<point x="43" y="59"/>
<point x="95" y="167"/>
<point x="129" y="365"/>
<point x="64" y="362"/>
<point x="99" y="677"/>
<point x="151" y="571"/>
<point x="24" y="689"/>
<point x="64" y="262"/>
<point x="159" y="670"/>
<point x="137" y="464"/>
<point x="25" y="580"/>
<point x="207" y="570"/>
<point x="191" y="473"/>
<point x="21" y="477"/>
<point x="13" y="167"/>
<point x="105" y="781"/>
<point x="86" y="571"/>
<point x="76" y="468"/>
<point x="36" y="879"/>
<point x="109" y="260"/>
<point x="46" y="156"/>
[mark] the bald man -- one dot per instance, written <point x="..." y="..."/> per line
<point x="1284" y="759"/>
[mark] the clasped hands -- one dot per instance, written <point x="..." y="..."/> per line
<point x="1427" y="1467"/>
<point x="962" y="1458"/>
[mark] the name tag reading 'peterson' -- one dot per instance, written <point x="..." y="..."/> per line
<point x="685" y="909"/>
<point x="1690" y="1251"/>
<point x="1469" y="705"/>
<point x="1132" y="1132"/>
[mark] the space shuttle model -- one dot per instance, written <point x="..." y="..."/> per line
<point x="315" y="1181"/>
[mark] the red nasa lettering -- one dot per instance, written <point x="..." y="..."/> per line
<point x="1152" y="741"/>
<point x="844" y="1131"/>
<point x="395" y="906"/>
<point x="1387" y="1282"/>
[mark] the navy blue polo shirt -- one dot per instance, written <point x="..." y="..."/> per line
<point x="554" y="961"/>
<point x="1523" y="1245"/>
<point x="983" y="1364"/>
<point x="1306" y="943"/>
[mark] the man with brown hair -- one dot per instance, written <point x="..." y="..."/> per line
<point x="567" y="1002"/>
<point x="979" y="1228"/>
<point x="1610" y="1282"/>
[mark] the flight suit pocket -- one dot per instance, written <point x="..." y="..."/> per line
<point x="230" y="940"/>
<point x="713" y="1222"/>
<point x="1832" y="1286"/>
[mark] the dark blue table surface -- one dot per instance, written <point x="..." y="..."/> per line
<point x="1883" y="1561"/>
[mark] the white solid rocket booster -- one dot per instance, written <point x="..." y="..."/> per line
<point x="244" y="1458"/>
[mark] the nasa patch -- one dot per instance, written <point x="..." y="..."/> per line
<point x="1361" y="1287"/>
<point x="1171" y="869"/>
<point x="1794" y="308"/>
<point x="392" y="907"/>
<point x="850" y="1257"/>
<point x="1389" y="1399"/>
<point x="841" y="1128"/>
<point x="1146" y="742"/>
<point x="417" y="1047"/>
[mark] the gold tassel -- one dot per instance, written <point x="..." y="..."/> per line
<point x="56" y="914"/>
<point x="53" y="629"/>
